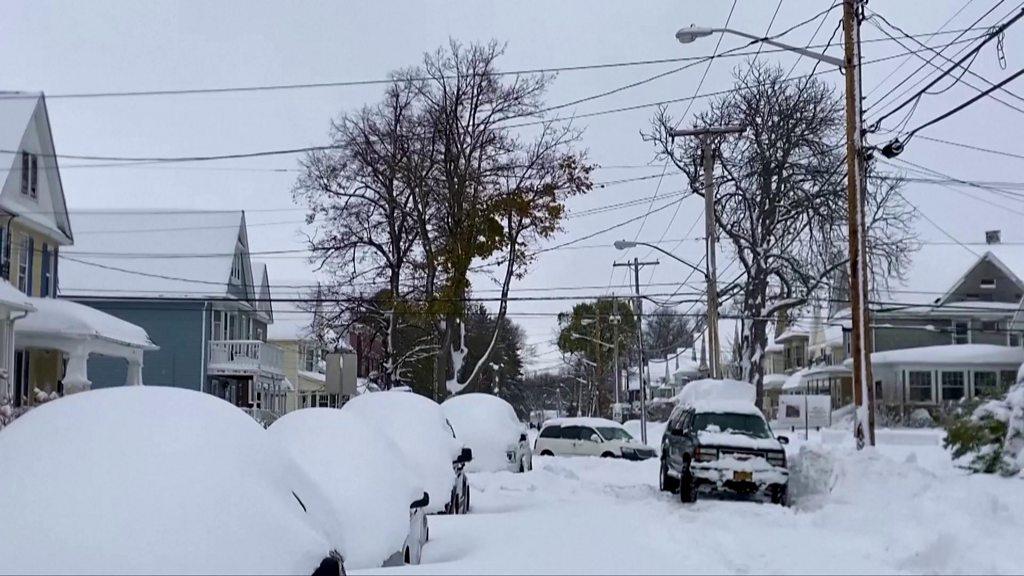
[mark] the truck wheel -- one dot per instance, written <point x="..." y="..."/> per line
<point x="780" y="496"/>
<point x="687" y="487"/>
<point x="667" y="483"/>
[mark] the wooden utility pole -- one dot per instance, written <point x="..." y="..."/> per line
<point x="636" y="265"/>
<point x="863" y="384"/>
<point x="615" y="350"/>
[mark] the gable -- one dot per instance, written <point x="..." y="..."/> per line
<point x="47" y="212"/>
<point x="988" y="280"/>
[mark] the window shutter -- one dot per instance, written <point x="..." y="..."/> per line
<point x="44" y="277"/>
<point x="31" y="264"/>
<point x="25" y="172"/>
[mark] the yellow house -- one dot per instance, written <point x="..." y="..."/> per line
<point x="52" y="342"/>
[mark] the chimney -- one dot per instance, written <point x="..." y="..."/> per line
<point x="992" y="237"/>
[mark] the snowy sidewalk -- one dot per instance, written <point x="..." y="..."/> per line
<point x="901" y="509"/>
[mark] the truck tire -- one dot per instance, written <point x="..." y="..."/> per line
<point x="687" y="487"/>
<point x="667" y="483"/>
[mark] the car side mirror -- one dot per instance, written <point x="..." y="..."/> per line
<point x="522" y="438"/>
<point x="465" y="456"/>
<point x="595" y="438"/>
<point x="782" y="439"/>
<point x="421" y="503"/>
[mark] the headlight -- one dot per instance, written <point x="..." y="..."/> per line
<point x="776" y="458"/>
<point x="706" y="454"/>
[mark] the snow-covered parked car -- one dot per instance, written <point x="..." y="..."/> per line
<point x="490" y="427"/>
<point x="435" y="457"/>
<point x="362" y="472"/>
<point x="714" y="445"/>
<point x="157" y="480"/>
<point x="589" y="437"/>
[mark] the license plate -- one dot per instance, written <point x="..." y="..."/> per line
<point x="743" y="476"/>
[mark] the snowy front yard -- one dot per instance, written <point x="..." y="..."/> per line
<point x="902" y="508"/>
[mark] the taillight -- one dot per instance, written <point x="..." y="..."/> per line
<point x="705" y="454"/>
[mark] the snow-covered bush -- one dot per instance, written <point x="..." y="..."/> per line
<point x="990" y="434"/>
<point x="8" y="413"/>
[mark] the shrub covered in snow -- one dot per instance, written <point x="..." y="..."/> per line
<point x="486" y="424"/>
<point x="990" y="436"/>
<point x="154" y="480"/>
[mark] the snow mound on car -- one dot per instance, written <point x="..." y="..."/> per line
<point x="486" y="424"/>
<point x="418" y="426"/>
<point x="361" y="471"/>
<point x="153" y="480"/>
<point x="715" y="390"/>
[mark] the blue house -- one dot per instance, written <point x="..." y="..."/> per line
<point x="187" y="278"/>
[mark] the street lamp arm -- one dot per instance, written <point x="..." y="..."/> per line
<point x="595" y="340"/>
<point x="686" y="35"/>
<point x="674" y="257"/>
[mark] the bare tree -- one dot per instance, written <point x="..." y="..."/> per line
<point x="781" y="199"/>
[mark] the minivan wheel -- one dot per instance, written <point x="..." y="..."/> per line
<point x="667" y="483"/>
<point x="687" y="487"/>
<point x="607" y="455"/>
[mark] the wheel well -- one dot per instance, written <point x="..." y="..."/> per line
<point x="608" y="455"/>
<point x="408" y="556"/>
<point x="546" y="453"/>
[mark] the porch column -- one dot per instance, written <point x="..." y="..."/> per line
<point x="134" y="376"/>
<point x="76" y="375"/>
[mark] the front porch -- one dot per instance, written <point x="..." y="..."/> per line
<point x="249" y="374"/>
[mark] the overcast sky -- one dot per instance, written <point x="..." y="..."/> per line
<point x="73" y="47"/>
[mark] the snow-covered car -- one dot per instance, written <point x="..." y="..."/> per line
<point x="435" y="457"/>
<point x="362" y="472"/>
<point x="716" y="445"/>
<point x="157" y="480"/>
<point x="490" y="427"/>
<point x="589" y="437"/>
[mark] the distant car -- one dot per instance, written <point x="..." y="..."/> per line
<point x="723" y="445"/>
<point x="589" y="437"/>
<point x="153" y="479"/>
<point x="489" y="426"/>
<point x="436" y="458"/>
<point x="361" y="470"/>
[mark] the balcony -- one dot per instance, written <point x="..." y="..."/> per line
<point x="244" y="358"/>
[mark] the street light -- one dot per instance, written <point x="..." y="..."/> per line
<point x="594" y="340"/>
<point x="864" y="390"/>
<point x="626" y="245"/>
<point x="687" y="35"/>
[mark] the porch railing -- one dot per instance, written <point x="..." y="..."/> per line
<point x="227" y="357"/>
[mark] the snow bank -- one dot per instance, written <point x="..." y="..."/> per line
<point x="488" y="425"/>
<point x="361" y="471"/>
<point x="708" y="389"/>
<point x="153" y="480"/>
<point x="418" y="426"/>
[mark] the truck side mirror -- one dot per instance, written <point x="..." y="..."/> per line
<point x="465" y="456"/>
<point x="421" y="503"/>
<point x="782" y="439"/>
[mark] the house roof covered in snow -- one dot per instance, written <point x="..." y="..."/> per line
<point x="12" y="298"/>
<point x="936" y="270"/>
<point x="69" y="319"/>
<point x="157" y="254"/>
<point x="951" y="355"/>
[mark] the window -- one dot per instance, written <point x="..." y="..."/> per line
<point x="985" y="383"/>
<point x="236" y="267"/>
<point x="988" y="283"/>
<point x="21" y="373"/>
<point x="217" y="331"/>
<point x="1013" y="339"/>
<point x="553" y="432"/>
<point x="574" y="433"/>
<point x="952" y="386"/>
<point x="961" y="332"/>
<point x="1007" y="378"/>
<point x="990" y="327"/>
<point x="919" y="386"/>
<point x="46" y="279"/>
<point x="25" y="265"/>
<point x="29" y="174"/>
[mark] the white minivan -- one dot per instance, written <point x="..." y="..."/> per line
<point x="589" y="437"/>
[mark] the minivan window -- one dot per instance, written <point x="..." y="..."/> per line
<point x="575" y="433"/>
<point x="746" y="424"/>
<point x="551" y="432"/>
<point x="609" y="433"/>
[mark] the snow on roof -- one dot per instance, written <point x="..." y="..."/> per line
<point x="935" y="269"/>
<point x="710" y="389"/>
<point x="15" y="114"/>
<point x="725" y="407"/>
<point x="583" y="421"/>
<point x="13" y="298"/>
<point x="488" y="425"/>
<point x="314" y="376"/>
<point x="153" y="479"/>
<point x="67" y="318"/>
<point x="363" y="474"/>
<point x="795" y="331"/>
<point x="418" y="426"/>
<point x="774" y="381"/>
<point x="774" y="347"/>
<point x="795" y="380"/>
<point x="952" y="354"/>
<point x="161" y="254"/>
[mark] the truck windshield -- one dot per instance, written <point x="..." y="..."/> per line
<point x="746" y="424"/>
<point x="609" y="434"/>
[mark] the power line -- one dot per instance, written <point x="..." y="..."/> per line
<point x="910" y="133"/>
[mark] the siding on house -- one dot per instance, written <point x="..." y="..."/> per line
<point x="176" y="327"/>
<point x="911" y="333"/>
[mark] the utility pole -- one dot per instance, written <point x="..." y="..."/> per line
<point x="863" y="384"/>
<point x="636" y="265"/>
<point x="615" y="350"/>
<point x="706" y="138"/>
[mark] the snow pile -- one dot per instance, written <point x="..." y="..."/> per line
<point x="418" y="426"/>
<point x="811" y="476"/>
<point x="153" y="480"/>
<point x="486" y="424"/>
<point x="361" y="472"/>
<point x="709" y="389"/>
<point x="655" y="431"/>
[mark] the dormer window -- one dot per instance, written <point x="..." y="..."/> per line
<point x="236" y="267"/>
<point x="988" y="283"/>
<point x="30" y="175"/>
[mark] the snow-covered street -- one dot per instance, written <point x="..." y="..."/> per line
<point x="904" y="508"/>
